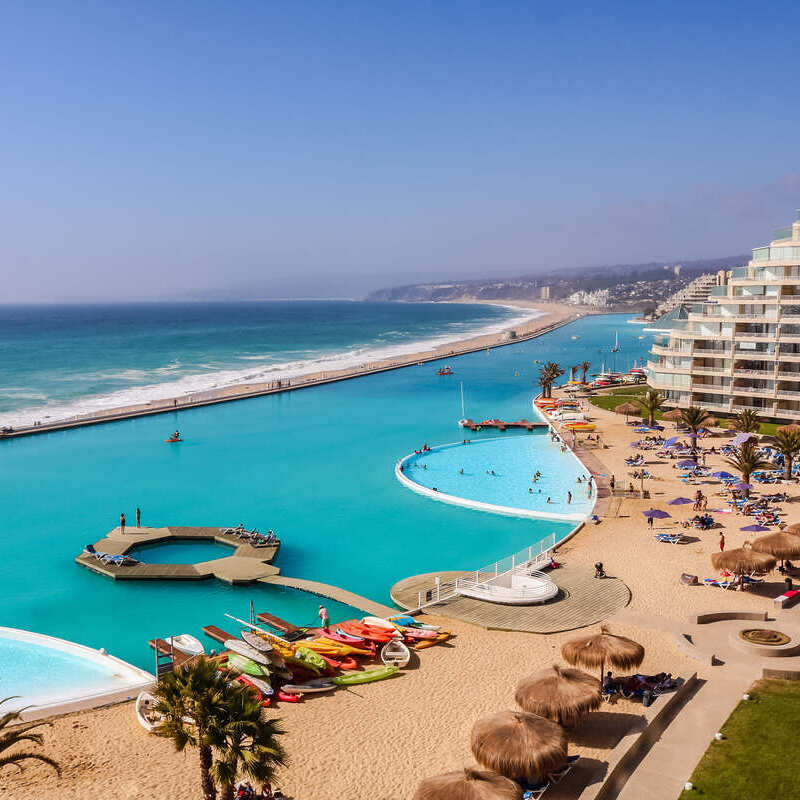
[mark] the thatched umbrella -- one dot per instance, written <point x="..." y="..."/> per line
<point x="780" y="544"/>
<point x="561" y="694"/>
<point x="743" y="560"/>
<point x="711" y="422"/>
<point x="792" y="428"/>
<point x="627" y="409"/>
<point x="594" y="650"/>
<point x="468" y="784"/>
<point x="521" y="746"/>
<point x="673" y="415"/>
<point x="795" y="529"/>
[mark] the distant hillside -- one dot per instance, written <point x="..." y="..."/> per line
<point x="631" y="283"/>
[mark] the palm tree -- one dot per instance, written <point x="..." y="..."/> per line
<point x="584" y="367"/>
<point x="746" y="460"/>
<point x="651" y="402"/>
<point x="747" y="421"/>
<point x="787" y="443"/>
<point x="11" y="737"/>
<point x="190" y="700"/>
<point x="245" y="743"/>
<point x="548" y="375"/>
<point x="694" y="418"/>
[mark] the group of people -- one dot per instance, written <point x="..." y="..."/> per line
<point x="244" y="791"/>
<point x="138" y="520"/>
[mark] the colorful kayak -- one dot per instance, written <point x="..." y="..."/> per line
<point x="442" y="637"/>
<point x="307" y="658"/>
<point x="365" y="631"/>
<point x="412" y="622"/>
<point x="310" y="687"/>
<point x="365" y="676"/>
<point x="244" y="649"/>
<point x="257" y="683"/>
<point x="256" y="641"/>
<point x="249" y="667"/>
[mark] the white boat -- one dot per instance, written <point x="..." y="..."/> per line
<point x="148" y="718"/>
<point x="314" y="686"/>
<point x="576" y="337"/>
<point x="395" y="654"/>
<point x="522" y="589"/>
<point x="244" y="649"/>
<point x="615" y="348"/>
<point x="186" y="643"/>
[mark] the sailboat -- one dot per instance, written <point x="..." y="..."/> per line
<point x="463" y="421"/>
<point x="615" y="348"/>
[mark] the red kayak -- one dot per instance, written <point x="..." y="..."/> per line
<point x="356" y="628"/>
<point x="327" y="633"/>
<point x="285" y="697"/>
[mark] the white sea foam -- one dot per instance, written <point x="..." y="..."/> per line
<point x="152" y="389"/>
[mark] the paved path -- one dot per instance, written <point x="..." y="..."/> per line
<point x="334" y="592"/>
<point x="583" y="601"/>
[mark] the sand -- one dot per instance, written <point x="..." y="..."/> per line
<point x="377" y="741"/>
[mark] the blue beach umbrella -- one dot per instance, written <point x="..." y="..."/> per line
<point x="722" y="474"/>
<point x="672" y="440"/>
<point x="686" y="463"/>
<point x="655" y="513"/>
<point x="680" y="501"/>
<point x="741" y="438"/>
<point x="742" y="486"/>
<point x="754" y="528"/>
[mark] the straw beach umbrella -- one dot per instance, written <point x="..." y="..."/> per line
<point x="795" y="529"/>
<point x="627" y="409"/>
<point x="673" y="416"/>
<point x="780" y="544"/>
<point x="743" y="560"/>
<point x="792" y="428"/>
<point x="518" y="745"/>
<point x="468" y="784"/>
<point x="561" y="694"/>
<point x="594" y="650"/>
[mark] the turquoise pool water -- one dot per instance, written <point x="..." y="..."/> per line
<point x="500" y="472"/>
<point x="32" y="673"/>
<point x="181" y="552"/>
<point x="316" y="465"/>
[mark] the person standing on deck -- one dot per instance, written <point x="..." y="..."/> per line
<point x="138" y="517"/>
<point x="323" y="616"/>
<point x="122" y="522"/>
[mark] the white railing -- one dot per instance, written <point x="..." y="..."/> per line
<point x="523" y="562"/>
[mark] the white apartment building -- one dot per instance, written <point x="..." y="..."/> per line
<point x="740" y="348"/>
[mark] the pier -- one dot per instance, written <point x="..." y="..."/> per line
<point x="500" y="425"/>
<point x="332" y="592"/>
<point x="246" y="564"/>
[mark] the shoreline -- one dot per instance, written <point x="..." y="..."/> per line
<point x="554" y="316"/>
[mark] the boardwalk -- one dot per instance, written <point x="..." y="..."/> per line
<point x="334" y="593"/>
<point x="583" y="600"/>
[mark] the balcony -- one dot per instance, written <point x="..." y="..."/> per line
<point x="789" y="356"/>
<point x="712" y="371"/>
<point x="713" y="353"/>
<point x="758" y="391"/>
<point x="787" y="413"/>
<point x="754" y="373"/>
<point x="653" y="367"/>
<point x="749" y="299"/>
<point x="790" y="337"/>
<point x="754" y="355"/>
<point x="788" y="375"/>
<point x="662" y="350"/>
<point x="745" y="336"/>
<point x="789" y="394"/>
<point x="711" y="406"/>
<point x="736" y="407"/>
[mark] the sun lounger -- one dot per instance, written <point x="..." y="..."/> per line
<point x="533" y="791"/>
<point x="669" y="538"/>
<point x="556" y="776"/>
<point x="787" y="599"/>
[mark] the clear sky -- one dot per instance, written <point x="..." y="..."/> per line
<point x="154" y="148"/>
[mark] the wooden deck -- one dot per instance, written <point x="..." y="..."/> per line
<point x="245" y="564"/>
<point x="582" y="601"/>
<point x="501" y="425"/>
<point x="334" y="593"/>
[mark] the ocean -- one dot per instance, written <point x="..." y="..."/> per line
<point x="57" y="361"/>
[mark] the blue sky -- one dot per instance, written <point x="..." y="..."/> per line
<point x="319" y="148"/>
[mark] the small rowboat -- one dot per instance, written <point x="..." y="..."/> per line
<point x="244" y="649"/>
<point x="256" y="642"/>
<point x="310" y="687"/>
<point x="148" y="718"/>
<point x="395" y="654"/>
<point x="365" y="676"/>
<point x="187" y="643"/>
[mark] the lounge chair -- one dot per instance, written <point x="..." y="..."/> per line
<point x="556" y="776"/>
<point x="533" y="791"/>
<point x="669" y="538"/>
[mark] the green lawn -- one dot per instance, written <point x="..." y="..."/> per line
<point x="758" y="758"/>
<point x="628" y="394"/>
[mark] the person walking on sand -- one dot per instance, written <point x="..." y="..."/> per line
<point x="569" y="497"/>
<point x="122" y="523"/>
<point x="138" y="517"/>
<point x="722" y="542"/>
<point x="650" y="520"/>
<point x="323" y="616"/>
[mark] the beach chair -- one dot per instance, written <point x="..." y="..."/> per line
<point x="556" y="776"/>
<point x="534" y="791"/>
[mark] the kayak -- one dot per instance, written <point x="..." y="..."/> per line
<point x="442" y="637"/>
<point x="365" y="676"/>
<point x="411" y="622"/>
<point x="257" y="683"/>
<point x="365" y="631"/>
<point x="287" y="697"/>
<point x="328" y="647"/>
<point x="256" y="641"/>
<point x="308" y="658"/>
<point x="244" y="649"/>
<point x="246" y="665"/>
<point x="309" y="687"/>
<point x="171" y="440"/>
<point x="342" y="638"/>
<point x="418" y="634"/>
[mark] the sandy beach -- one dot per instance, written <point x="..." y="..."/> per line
<point x="376" y="742"/>
<point x="548" y="316"/>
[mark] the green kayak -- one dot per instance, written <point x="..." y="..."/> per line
<point x="365" y="676"/>
<point x="247" y="665"/>
<point x="308" y="658"/>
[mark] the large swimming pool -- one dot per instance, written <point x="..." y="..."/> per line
<point x="316" y="465"/>
<point x="502" y="472"/>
